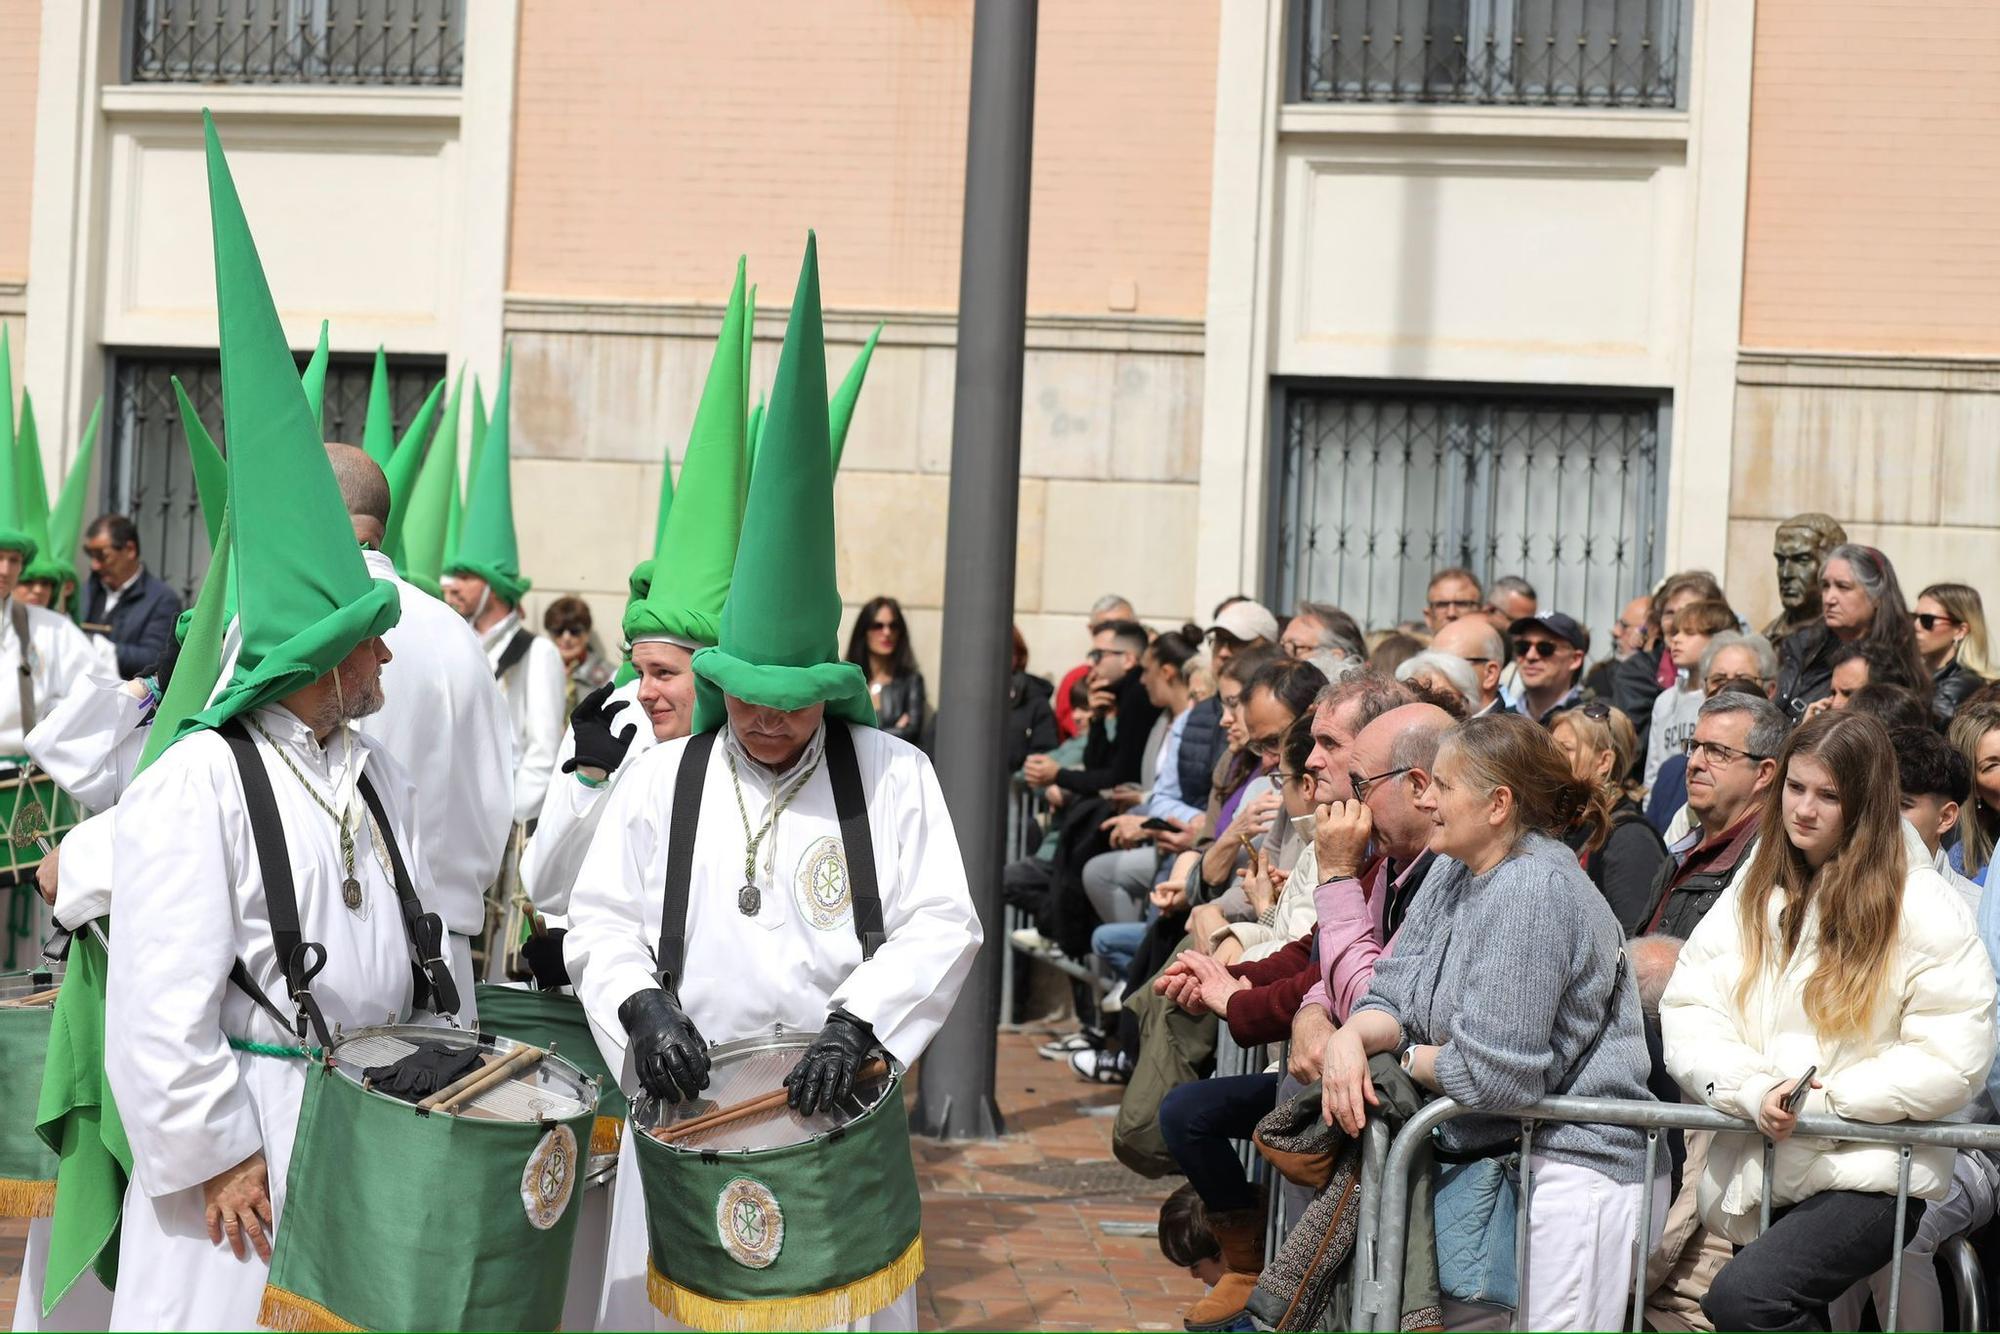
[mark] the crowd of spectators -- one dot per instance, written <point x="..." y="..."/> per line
<point x="1455" y="856"/>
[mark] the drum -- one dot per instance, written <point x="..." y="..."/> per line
<point x="27" y="1165"/>
<point x="34" y="815"/>
<point x="400" y="1218"/>
<point x="555" y="1021"/>
<point x="778" y="1221"/>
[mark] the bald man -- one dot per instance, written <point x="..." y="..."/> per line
<point x="1474" y="639"/>
<point x="445" y="721"/>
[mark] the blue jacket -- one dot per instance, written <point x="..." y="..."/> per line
<point x="142" y="624"/>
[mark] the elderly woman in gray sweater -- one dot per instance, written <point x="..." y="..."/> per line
<point x="1508" y="984"/>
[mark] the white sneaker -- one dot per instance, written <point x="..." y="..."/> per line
<point x="1113" y="1000"/>
<point x="1102" y="1067"/>
<point x="1062" y="1048"/>
<point x="1031" y="940"/>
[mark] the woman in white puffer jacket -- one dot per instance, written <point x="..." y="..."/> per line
<point x="1838" y="951"/>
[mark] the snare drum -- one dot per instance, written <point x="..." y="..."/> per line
<point x="27" y="1164"/>
<point x="33" y="811"/>
<point x="556" y="1021"/>
<point x="780" y="1221"/>
<point x="396" y="1218"/>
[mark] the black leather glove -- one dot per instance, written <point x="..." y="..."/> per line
<point x="667" y="1049"/>
<point x="597" y="746"/>
<point x="825" y="1074"/>
<point x="543" y="953"/>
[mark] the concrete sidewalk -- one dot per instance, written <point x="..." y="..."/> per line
<point x="1013" y="1228"/>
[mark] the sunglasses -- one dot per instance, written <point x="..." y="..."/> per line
<point x="888" y="627"/>
<point x="1928" y="620"/>
<point x="1537" y="648"/>
<point x="1597" y="711"/>
<point x="564" y="631"/>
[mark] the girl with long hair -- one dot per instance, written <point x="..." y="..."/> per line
<point x="880" y="647"/>
<point x="1841" y="959"/>
<point x="1508" y="984"/>
<point x="1950" y="621"/>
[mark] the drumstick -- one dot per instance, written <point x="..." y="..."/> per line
<point x="743" y="1111"/>
<point x="38" y="998"/>
<point x="520" y="1059"/>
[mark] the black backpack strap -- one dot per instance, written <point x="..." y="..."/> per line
<point x="299" y="959"/>
<point x="18" y="612"/>
<point x="517" y="649"/>
<point x="436" y="989"/>
<point x="856" y="840"/>
<point x="689" y="781"/>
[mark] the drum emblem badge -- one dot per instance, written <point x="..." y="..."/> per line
<point x="549" y="1178"/>
<point x="749" y="1222"/>
<point x="822" y="885"/>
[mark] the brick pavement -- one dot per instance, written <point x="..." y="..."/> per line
<point x="1013" y="1227"/>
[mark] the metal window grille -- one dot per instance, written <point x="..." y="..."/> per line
<point x="1611" y="54"/>
<point x="401" y="42"/>
<point x="147" y="474"/>
<point x="1379" y="489"/>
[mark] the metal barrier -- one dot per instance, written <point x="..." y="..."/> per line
<point x="1024" y="834"/>
<point x="1378" y="1293"/>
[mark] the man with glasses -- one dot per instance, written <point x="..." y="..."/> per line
<point x="1747" y="664"/>
<point x="1321" y="627"/>
<point x="123" y="600"/>
<point x="1511" y="599"/>
<point x="1473" y="639"/>
<point x="1549" y="651"/>
<point x="1452" y="593"/>
<point x="1731" y="765"/>
<point x="1107" y="610"/>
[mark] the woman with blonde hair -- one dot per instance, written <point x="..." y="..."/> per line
<point x="1600" y="744"/>
<point x="1841" y="957"/>
<point x="1951" y="636"/>
<point x="1975" y="734"/>
<point x="1507" y="984"/>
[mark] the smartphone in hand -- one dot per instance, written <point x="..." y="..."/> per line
<point x="1797" y="1097"/>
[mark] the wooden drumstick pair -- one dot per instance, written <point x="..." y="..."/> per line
<point x="476" y="1081"/>
<point x="760" y="1105"/>
<point x="29" y="1002"/>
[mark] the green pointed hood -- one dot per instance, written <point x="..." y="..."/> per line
<point x="304" y="597"/>
<point x="754" y="432"/>
<point x="426" y="520"/>
<point x="13" y="534"/>
<point x="840" y="412"/>
<point x="781" y="624"/>
<point x="378" y="429"/>
<point x="314" y="380"/>
<point x="211" y="471"/>
<point x="486" y="545"/>
<point x="66" y="518"/>
<point x="199" y="666"/>
<point x="479" y="424"/>
<point x="666" y="497"/>
<point x="33" y="490"/>
<point x="403" y="467"/>
<point x="697" y="553"/>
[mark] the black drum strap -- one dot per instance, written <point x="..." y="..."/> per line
<point x="436" y="989"/>
<point x="856" y="840"/>
<point x="298" y="959"/>
<point x="517" y="649"/>
<point x="689" y="781"/>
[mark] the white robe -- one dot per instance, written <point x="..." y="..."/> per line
<point x="191" y="902"/>
<point x="537" y="691"/>
<point x="59" y="660"/>
<point x="444" y="719"/>
<point x="792" y="963"/>
<point x="90" y="742"/>
<point x="572" y="808"/>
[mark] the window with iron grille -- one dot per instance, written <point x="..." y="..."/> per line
<point x="146" y="470"/>
<point x="1380" y="488"/>
<point x="1603" y="54"/>
<point x="400" y="42"/>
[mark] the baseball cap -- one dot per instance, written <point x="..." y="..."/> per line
<point x="1246" y="621"/>
<point x="1556" y="623"/>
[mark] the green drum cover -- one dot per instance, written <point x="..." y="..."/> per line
<point x="395" y="1219"/>
<point x="801" y="1237"/>
<point x="27" y="1165"/>
<point x="29" y="807"/>
<point x="555" y="1022"/>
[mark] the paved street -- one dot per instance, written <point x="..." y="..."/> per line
<point x="1013" y="1229"/>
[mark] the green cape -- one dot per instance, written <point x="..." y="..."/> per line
<point x="486" y="545"/>
<point x="781" y="624"/>
<point x="697" y="549"/>
<point x="304" y="597"/>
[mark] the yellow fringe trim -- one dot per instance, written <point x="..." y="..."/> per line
<point x="606" y="1132"/>
<point x="27" y="1199"/>
<point x="288" y="1311"/>
<point x="819" y="1310"/>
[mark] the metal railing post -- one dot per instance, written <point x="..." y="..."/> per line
<point x="1969" y="1277"/>
<point x="1897" y="1243"/>
<point x="1374" y="1156"/>
<point x="1645" y="1246"/>
<point x="1523" y="1207"/>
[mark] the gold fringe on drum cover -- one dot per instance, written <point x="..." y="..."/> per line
<point x="27" y="1199"/>
<point x="819" y="1310"/>
<point x="606" y="1132"/>
<point x="289" y="1311"/>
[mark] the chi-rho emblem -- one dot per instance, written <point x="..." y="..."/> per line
<point x="749" y="1222"/>
<point x="549" y="1179"/>
<point x="823" y="893"/>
